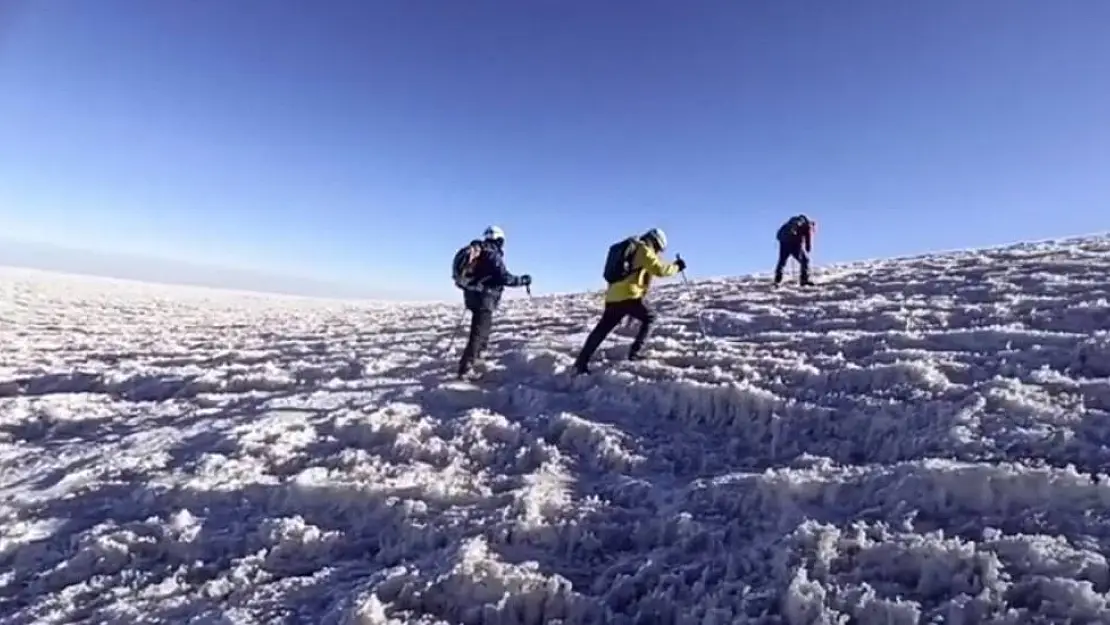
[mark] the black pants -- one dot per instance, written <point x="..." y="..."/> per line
<point x="788" y="249"/>
<point x="481" y="323"/>
<point x="610" y="319"/>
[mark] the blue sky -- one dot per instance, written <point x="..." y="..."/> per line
<point x="363" y="141"/>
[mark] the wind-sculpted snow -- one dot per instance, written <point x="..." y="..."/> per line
<point x="916" y="441"/>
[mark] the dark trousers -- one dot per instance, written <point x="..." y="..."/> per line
<point x="481" y="323"/>
<point x="611" y="318"/>
<point x="788" y="249"/>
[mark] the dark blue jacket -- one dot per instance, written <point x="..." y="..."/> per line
<point x="491" y="278"/>
<point x="796" y="234"/>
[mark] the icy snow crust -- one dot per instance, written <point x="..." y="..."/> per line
<point x="913" y="442"/>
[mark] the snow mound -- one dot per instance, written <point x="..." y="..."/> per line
<point x="915" y="441"/>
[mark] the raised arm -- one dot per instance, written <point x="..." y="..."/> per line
<point x="501" y="274"/>
<point x="656" y="266"/>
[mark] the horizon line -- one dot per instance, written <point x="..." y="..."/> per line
<point x="354" y="294"/>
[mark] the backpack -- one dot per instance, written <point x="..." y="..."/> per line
<point x="462" y="267"/>
<point x="618" y="262"/>
<point x="791" y="228"/>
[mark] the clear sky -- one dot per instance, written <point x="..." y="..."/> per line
<point x="364" y="141"/>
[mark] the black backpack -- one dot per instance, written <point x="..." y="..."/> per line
<point x="464" y="264"/>
<point x="618" y="262"/>
<point x="792" y="228"/>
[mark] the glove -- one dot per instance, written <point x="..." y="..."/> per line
<point x="681" y="264"/>
<point x="526" y="280"/>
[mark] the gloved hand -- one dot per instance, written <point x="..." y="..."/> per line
<point x="681" y="264"/>
<point x="526" y="280"/>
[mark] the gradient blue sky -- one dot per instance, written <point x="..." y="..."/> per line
<point x="364" y="141"/>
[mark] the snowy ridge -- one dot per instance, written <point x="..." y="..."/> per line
<point x="916" y="441"/>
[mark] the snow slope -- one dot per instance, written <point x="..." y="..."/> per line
<point x="913" y="442"/>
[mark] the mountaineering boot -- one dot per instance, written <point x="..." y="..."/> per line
<point x="469" y="373"/>
<point x="479" y="366"/>
<point x="646" y="317"/>
<point x="804" y="280"/>
<point x="465" y="370"/>
<point x="636" y="347"/>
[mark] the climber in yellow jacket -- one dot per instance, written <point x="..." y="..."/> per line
<point x="629" y="269"/>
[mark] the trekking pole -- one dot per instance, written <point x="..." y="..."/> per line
<point x="531" y="301"/>
<point x="690" y="289"/>
<point x="454" y="335"/>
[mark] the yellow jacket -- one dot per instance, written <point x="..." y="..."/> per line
<point x="635" y="286"/>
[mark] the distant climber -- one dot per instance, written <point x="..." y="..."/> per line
<point x="629" y="268"/>
<point x="479" y="270"/>
<point x="796" y="240"/>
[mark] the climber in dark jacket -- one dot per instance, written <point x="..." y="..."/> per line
<point x="796" y="240"/>
<point x="483" y="285"/>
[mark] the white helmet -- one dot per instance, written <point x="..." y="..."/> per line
<point x="494" y="233"/>
<point x="658" y="236"/>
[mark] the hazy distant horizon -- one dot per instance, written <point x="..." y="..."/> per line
<point x="24" y="254"/>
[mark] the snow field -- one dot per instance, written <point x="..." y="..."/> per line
<point x="920" y="440"/>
